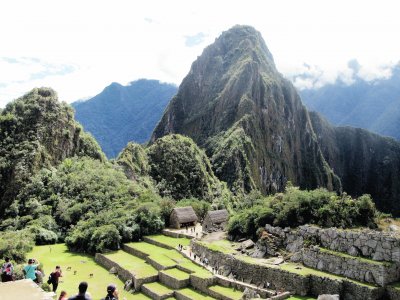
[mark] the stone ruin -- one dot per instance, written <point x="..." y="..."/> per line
<point x="364" y="255"/>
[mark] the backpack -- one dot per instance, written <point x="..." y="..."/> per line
<point x="50" y="280"/>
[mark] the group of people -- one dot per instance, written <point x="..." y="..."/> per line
<point x="32" y="271"/>
<point x="112" y="293"/>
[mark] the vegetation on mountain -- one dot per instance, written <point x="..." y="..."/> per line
<point x="297" y="207"/>
<point x="181" y="170"/>
<point x="37" y="131"/>
<point x="372" y="105"/>
<point x="120" y="114"/>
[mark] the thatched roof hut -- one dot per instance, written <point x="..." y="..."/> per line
<point x="183" y="216"/>
<point x="215" y="220"/>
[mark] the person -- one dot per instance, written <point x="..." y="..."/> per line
<point x="7" y="271"/>
<point x="63" y="296"/>
<point x="82" y="295"/>
<point x="112" y="292"/>
<point x="30" y="269"/>
<point x="54" y="276"/>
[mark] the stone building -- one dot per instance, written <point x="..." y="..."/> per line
<point x="182" y="217"/>
<point x="215" y="220"/>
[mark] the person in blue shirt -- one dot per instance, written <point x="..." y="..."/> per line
<point x="30" y="269"/>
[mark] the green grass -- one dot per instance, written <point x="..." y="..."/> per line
<point x="83" y="264"/>
<point x="163" y="260"/>
<point x="165" y="257"/>
<point x="190" y="293"/>
<point x="177" y="274"/>
<point x="227" y="291"/>
<point x="219" y="246"/>
<point x="140" y="296"/>
<point x="170" y="241"/>
<point x="196" y="269"/>
<point x="132" y="263"/>
<point x="301" y="298"/>
<point x="158" y="288"/>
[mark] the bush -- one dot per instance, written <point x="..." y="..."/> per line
<point x="15" y="245"/>
<point x="296" y="207"/>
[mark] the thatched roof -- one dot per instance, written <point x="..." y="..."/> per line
<point x="184" y="214"/>
<point x="218" y="216"/>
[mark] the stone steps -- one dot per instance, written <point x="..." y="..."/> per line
<point x="157" y="291"/>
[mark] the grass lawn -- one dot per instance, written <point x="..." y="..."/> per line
<point x="190" y="293"/>
<point x="163" y="260"/>
<point x="170" y="241"/>
<point x="83" y="264"/>
<point x="301" y="298"/>
<point x="227" y="291"/>
<point x="177" y="274"/>
<point x="132" y="263"/>
<point x="158" y="288"/>
<point x="222" y="246"/>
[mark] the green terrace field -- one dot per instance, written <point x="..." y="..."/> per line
<point x="132" y="263"/>
<point x="84" y="265"/>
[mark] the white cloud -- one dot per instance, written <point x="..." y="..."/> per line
<point x="121" y="41"/>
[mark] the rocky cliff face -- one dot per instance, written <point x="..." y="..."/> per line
<point x="365" y="162"/>
<point x="37" y="131"/>
<point x="250" y="120"/>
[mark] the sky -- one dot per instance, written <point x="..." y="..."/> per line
<point x="80" y="47"/>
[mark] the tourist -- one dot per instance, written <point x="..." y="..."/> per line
<point x="30" y="269"/>
<point x="63" y="296"/>
<point x="82" y="295"/>
<point x="7" y="271"/>
<point x="112" y="292"/>
<point x="54" y="276"/>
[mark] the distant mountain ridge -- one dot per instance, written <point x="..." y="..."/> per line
<point x="120" y="114"/>
<point x="371" y="105"/>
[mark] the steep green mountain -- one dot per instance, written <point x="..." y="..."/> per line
<point x="37" y="131"/>
<point x="120" y="114"/>
<point x="247" y="117"/>
<point x="364" y="161"/>
<point x="251" y="122"/>
<point x="371" y="105"/>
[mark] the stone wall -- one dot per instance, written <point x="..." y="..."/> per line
<point x="253" y="273"/>
<point x="134" y="252"/>
<point x="154" y="242"/>
<point x="352" y="267"/>
<point x="393" y="293"/>
<point x="376" y="245"/>
<point x="172" y="282"/>
<point x="259" y="275"/>
<point x="108" y="264"/>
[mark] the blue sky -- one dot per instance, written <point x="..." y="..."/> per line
<point x="79" y="47"/>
